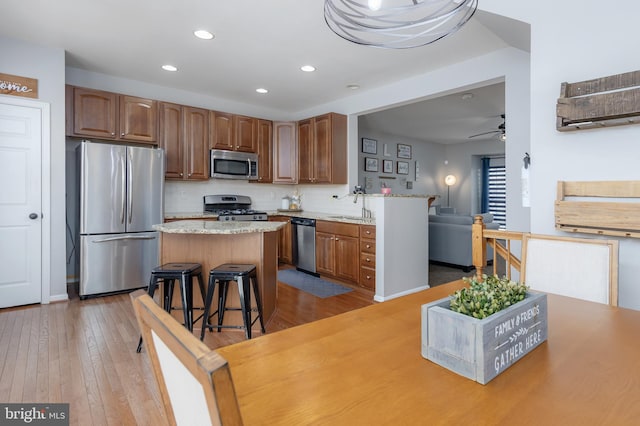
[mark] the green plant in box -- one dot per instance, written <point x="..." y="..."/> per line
<point x="484" y="298"/>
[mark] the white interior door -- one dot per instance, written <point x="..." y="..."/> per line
<point x="20" y="205"/>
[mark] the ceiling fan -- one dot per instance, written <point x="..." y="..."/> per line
<point x="501" y="129"/>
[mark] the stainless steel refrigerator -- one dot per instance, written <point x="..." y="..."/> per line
<point x="121" y="197"/>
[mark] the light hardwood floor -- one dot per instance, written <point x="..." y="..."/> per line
<point x="83" y="353"/>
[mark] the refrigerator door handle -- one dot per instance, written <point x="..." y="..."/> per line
<point x="124" y="183"/>
<point x="105" y="240"/>
<point x="130" y="189"/>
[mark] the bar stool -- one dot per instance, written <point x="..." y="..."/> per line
<point x="168" y="274"/>
<point x="242" y="274"/>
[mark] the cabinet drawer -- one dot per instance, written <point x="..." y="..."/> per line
<point x="368" y="278"/>
<point x="368" y="260"/>
<point x="338" y="228"/>
<point x="368" y="246"/>
<point x="368" y="231"/>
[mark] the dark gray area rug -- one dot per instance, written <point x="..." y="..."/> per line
<point x="314" y="285"/>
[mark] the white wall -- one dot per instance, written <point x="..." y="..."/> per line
<point x="573" y="41"/>
<point x="47" y="66"/>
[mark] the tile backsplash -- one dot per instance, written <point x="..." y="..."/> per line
<point x="187" y="196"/>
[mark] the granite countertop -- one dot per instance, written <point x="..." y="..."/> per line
<point x="215" y="227"/>
<point x="310" y="215"/>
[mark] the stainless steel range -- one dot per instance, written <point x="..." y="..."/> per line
<point x="232" y="208"/>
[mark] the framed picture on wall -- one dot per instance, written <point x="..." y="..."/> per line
<point x="404" y="151"/>
<point x="370" y="164"/>
<point x="403" y="168"/>
<point x="369" y="146"/>
<point x="387" y="166"/>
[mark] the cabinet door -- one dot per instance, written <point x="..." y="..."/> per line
<point x="285" y="153"/>
<point x="221" y="132"/>
<point x="305" y="151"/>
<point x="322" y="149"/>
<point x="325" y="253"/>
<point x="171" y="139"/>
<point x="94" y="113"/>
<point x="246" y="135"/>
<point x="347" y="254"/>
<point x="195" y="127"/>
<point x="265" y="151"/>
<point x="284" y="239"/>
<point x="138" y="119"/>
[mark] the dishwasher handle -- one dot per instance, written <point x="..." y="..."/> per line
<point x="303" y="221"/>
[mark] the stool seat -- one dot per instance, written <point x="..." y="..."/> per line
<point x="245" y="276"/>
<point x="232" y="270"/>
<point x="177" y="269"/>
<point x="183" y="273"/>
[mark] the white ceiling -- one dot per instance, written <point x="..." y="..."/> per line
<point x="257" y="43"/>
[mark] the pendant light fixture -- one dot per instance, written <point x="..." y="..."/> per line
<point x="397" y="24"/>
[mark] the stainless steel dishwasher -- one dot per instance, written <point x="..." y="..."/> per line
<point x="304" y="244"/>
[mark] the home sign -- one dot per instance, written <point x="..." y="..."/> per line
<point x="18" y="86"/>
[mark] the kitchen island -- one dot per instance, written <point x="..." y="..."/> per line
<point x="213" y="243"/>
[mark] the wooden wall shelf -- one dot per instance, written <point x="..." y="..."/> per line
<point x="617" y="214"/>
<point x="601" y="102"/>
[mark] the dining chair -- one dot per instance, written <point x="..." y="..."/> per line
<point x="584" y="268"/>
<point x="194" y="381"/>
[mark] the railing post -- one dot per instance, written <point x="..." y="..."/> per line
<point x="478" y="246"/>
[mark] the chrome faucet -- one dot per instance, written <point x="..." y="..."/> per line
<point x="358" y="190"/>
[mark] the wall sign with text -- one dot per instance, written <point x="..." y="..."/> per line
<point x="18" y="86"/>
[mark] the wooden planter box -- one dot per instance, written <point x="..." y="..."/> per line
<point x="482" y="349"/>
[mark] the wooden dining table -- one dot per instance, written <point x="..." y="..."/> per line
<point x="365" y="367"/>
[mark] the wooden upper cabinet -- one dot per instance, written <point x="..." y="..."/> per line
<point x="221" y="130"/>
<point x="171" y="140"/>
<point x="105" y="115"/>
<point x="138" y="119"/>
<point x="246" y="133"/>
<point x="305" y="151"/>
<point x="233" y="132"/>
<point x="196" y="142"/>
<point x="322" y="136"/>
<point x="94" y="113"/>
<point x="285" y="153"/>
<point x="265" y="151"/>
<point x="185" y="138"/>
<point x="322" y="149"/>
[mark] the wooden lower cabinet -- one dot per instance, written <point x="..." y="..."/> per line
<point x="285" y="252"/>
<point x="338" y="250"/>
<point x="368" y="257"/>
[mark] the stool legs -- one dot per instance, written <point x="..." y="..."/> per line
<point x="246" y="280"/>
<point x="256" y="293"/>
<point x="245" y="305"/>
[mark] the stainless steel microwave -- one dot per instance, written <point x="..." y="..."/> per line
<point x="234" y="165"/>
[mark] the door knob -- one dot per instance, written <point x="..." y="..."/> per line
<point x="33" y="216"/>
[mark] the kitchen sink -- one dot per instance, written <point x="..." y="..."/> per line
<point x="346" y="217"/>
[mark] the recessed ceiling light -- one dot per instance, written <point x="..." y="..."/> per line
<point x="308" y="68"/>
<point x="169" y="68"/>
<point x="203" y="34"/>
<point x="353" y="86"/>
<point x="261" y="90"/>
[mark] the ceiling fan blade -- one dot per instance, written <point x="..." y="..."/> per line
<point x="485" y="133"/>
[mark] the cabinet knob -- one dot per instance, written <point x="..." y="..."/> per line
<point x="368" y="260"/>
<point x="368" y="232"/>
<point x="337" y="239"/>
<point x="181" y="175"/>
<point x="368" y="246"/>
<point x="189" y="175"/>
<point x="113" y="134"/>
<point x="122" y="134"/>
<point x="368" y="277"/>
